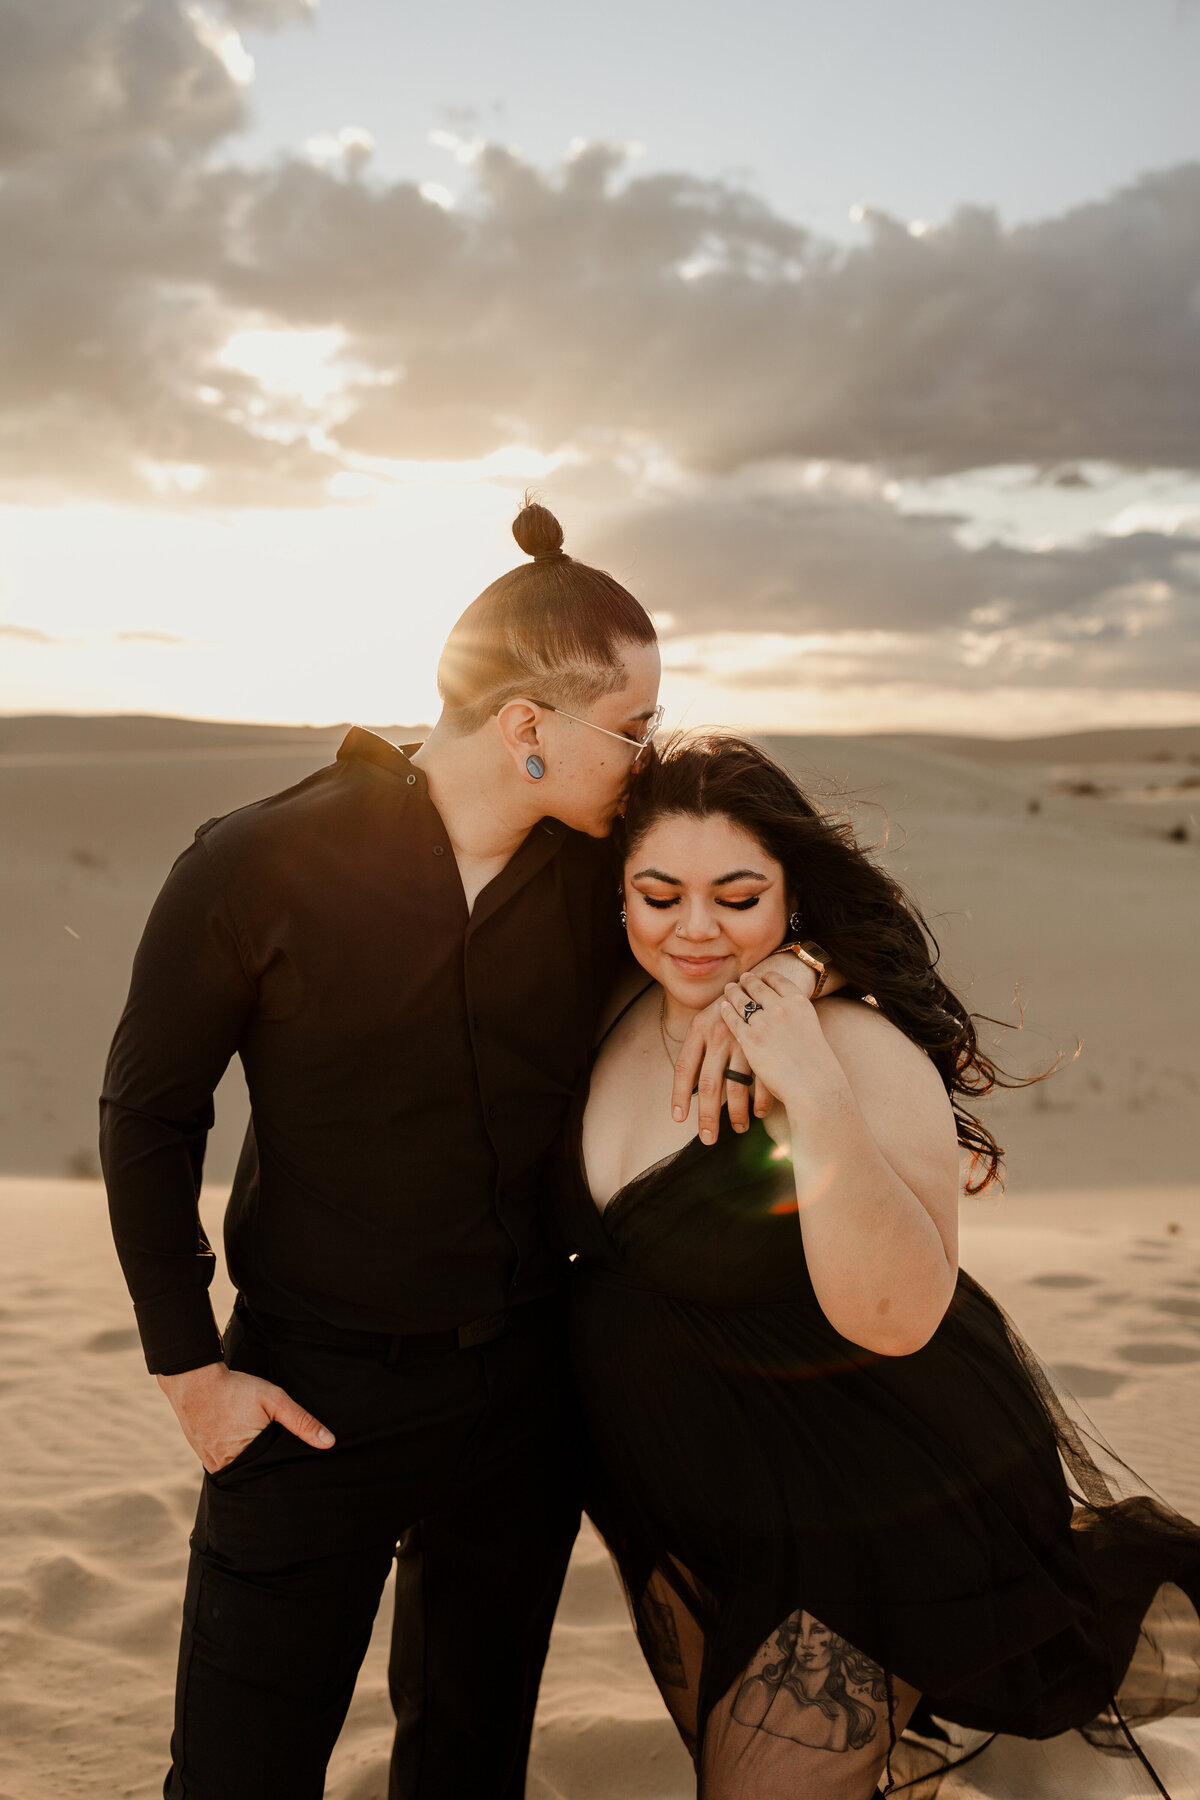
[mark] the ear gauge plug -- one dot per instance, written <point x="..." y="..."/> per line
<point x="535" y="766"/>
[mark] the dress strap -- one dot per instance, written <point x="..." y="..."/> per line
<point x="613" y="1023"/>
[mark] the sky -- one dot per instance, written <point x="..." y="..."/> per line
<point x="861" y="342"/>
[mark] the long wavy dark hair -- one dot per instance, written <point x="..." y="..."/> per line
<point x="877" y="938"/>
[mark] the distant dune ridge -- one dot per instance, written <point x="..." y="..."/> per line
<point x="1068" y="865"/>
<point x="1085" y="900"/>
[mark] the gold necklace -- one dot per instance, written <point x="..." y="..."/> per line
<point x="667" y="1039"/>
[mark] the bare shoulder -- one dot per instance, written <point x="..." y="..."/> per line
<point x="860" y="1029"/>
<point x="879" y="1059"/>
<point x="903" y="1101"/>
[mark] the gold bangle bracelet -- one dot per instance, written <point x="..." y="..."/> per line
<point x="811" y="956"/>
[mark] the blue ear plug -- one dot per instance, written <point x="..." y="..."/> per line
<point x="536" y="767"/>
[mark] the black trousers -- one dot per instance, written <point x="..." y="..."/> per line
<point x="461" y="1464"/>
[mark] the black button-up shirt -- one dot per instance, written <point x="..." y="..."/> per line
<point x="408" y="1063"/>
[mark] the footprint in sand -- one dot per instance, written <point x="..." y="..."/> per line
<point x="1159" y="1353"/>
<point x="1086" y="1383"/>
<point x="1177" y="1307"/>
<point x="118" y="1337"/>
<point x="1063" y="1281"/>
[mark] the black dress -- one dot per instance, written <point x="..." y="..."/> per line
<point x="755" y="1461"/>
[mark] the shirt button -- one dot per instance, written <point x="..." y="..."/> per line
<point x="412" y="780"/>
<point x="491" y="1112"/>
<point x="439" y="850"/>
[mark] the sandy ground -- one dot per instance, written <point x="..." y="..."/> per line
<point x="99" y="1490"/>
<point x="1069" y="867"/>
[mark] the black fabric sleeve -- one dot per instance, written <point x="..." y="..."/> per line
<point x="188" y="1002"/>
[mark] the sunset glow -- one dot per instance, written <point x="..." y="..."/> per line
<point x="278" y="395"/>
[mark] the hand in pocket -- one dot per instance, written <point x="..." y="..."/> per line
<point x="222" y="1411"/>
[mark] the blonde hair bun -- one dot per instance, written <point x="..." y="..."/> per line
<point x="539" y="533"/>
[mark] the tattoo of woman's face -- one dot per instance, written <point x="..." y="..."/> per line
<point x="810" y="1685"/>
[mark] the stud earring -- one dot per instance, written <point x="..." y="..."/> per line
<point x="794" y="924"/>
<point x="535" y="766"/>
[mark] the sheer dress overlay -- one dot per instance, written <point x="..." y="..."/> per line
<point x="939" y="1512"/>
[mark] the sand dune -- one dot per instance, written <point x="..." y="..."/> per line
<point x="1057" y="865"/>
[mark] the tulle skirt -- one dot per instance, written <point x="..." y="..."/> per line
<point x="939" y="1512"/>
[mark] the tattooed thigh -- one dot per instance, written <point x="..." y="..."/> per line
<point x="673" y="1645"/>
<point x="809" y="1714"/>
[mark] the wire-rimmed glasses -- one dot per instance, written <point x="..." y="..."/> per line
<point x="641" y="745"/>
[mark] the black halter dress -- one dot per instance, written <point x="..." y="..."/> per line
<point x="916" y="1505"/>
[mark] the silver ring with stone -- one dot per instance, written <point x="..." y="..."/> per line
<point x="750" y="1008"/>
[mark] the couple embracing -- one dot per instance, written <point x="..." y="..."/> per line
<point x="604" y="1151"/>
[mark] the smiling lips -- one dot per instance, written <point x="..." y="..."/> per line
<point x="697" y="965"/>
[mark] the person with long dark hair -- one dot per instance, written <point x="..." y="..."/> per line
<point x="830" y="1472"/>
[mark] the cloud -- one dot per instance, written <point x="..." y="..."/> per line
<point x="582" y="306"/>
<point x="828" y="562"/>
<point x="690" y="349"/>
<point x="654" y="314"/>
<point x="181" y="327"/>
<point x="839" y="586"/>
<point x="269" y="15"/>
<point x="27" y="634"/>
<point x="80" y="77"/>
<point x="30" y="634"/>
<point x="113" y="226"/>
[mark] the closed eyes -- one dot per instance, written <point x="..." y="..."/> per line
<point x="733" y="905"/>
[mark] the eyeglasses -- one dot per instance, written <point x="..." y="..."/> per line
<point x="641" y="745"/>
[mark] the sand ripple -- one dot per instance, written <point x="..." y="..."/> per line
<point x="100" y="1490"/>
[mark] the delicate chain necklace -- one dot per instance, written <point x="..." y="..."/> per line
<point x="667" y="1039"/>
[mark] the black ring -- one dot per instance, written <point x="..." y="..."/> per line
<point x="742" y="1080"/>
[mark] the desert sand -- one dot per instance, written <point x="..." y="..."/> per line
<point x="1067" y="866"/>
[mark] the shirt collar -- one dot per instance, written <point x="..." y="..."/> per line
<point x="367" y="746"/>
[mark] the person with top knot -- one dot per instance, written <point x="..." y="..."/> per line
<point x="409" y="952"/>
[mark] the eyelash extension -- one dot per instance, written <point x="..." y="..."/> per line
<point x="734" y="905"/>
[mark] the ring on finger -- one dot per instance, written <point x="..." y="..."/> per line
<point x="750" y="1008"/>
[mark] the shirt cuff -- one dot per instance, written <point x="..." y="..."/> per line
<point x="178" y="1332"/>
